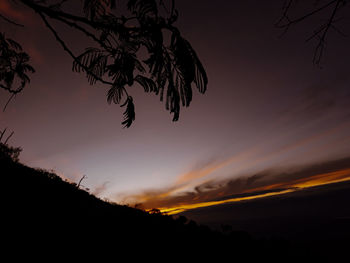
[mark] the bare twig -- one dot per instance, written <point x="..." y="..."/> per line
<point x="301" y="18"/>
<point x="321" y="44"/>
<point x="81" y="179"/>
<point x="2" y="133"/>
<point x="7" y="103"/>
<point x="9" y="137"/>
<point x="321" y="33"/>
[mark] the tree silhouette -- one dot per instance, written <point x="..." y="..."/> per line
<point x="170" y="69"/>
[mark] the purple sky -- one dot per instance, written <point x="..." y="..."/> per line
<point x="267" y="106"/>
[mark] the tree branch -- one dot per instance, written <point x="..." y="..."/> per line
<point x="321" y="32"/>
<point x="2" y="133"/>
<point x="10" y="21"/>
<point x="9" y="137"/>
<point x="297" y="20"/>
<point x="56" y="13"/>
<point x="321" y="43"/>
<point x="81" y="29"/>
<point x="13" y="91"/>
<point x="65" y="47"/>
<point x="81" y="179"/>
<point x="7" y="103"/>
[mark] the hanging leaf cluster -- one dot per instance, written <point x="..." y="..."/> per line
<point x="141" y="47"/>
<point x="170" y="71"/>
<point x="14" y="65"/>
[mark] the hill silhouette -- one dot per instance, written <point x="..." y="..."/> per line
<point x="42" y="212"/>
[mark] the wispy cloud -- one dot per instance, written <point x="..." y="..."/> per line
<point x="209" y="167"/>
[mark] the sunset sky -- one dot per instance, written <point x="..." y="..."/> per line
<point x="270" y="119"/>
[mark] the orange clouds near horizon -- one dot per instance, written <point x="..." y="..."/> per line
<point x="264" y="184"/>
<point x="289" y="187"/>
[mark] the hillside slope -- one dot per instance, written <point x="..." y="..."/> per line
<point x="40" y="209"/>
<point x="41" y="212"/>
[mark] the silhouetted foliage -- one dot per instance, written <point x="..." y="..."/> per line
<point x="117" y="60"/>
<point x="7" y="152"/>
<point x="13" y="65"/>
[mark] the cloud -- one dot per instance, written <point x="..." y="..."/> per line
<point x="99" y="189"/>
<point x="194" y="178"/>
<point x="246" y="187"/>
<point x="203" y="169"/>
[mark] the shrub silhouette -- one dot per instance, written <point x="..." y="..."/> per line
<point x="9" y="153"/>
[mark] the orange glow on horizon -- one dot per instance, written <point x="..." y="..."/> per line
<point x="179" y="209"/>
<point x="288" y="187"/>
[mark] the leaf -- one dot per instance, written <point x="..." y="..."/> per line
<point x="161" y="81"/>
<point x="200" y="79"/>
<point x="143" y="9"/>
<point x="188" y="64"/>
<point x="14" y="44"/>
<point x="93" y="61"/>
<point x="83" y="60"/>
<point x="139" y="66"/>
<point x="129" y="113"/>
<point x="122" y="70"/>
<point x="13" y="65"/>
<point x="173" y="101"/>
<point x="115" y="94"/>
<point x="183" y="58"/>
<point x="147" y="83"/>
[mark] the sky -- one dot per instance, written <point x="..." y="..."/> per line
<point x="270" y="118"/>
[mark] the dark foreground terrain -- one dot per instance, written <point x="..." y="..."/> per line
<point x="317" y="218"/>
<point x="44" y="215"/>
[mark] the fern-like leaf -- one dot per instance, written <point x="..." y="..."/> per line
<point x="188" y="63"/>
<point x="93" y="62"/>
<point x="115" y="94"/>
<point x="200" y="79"/>
<point x="148" y="84"/>
<point x="129" y="113"/>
